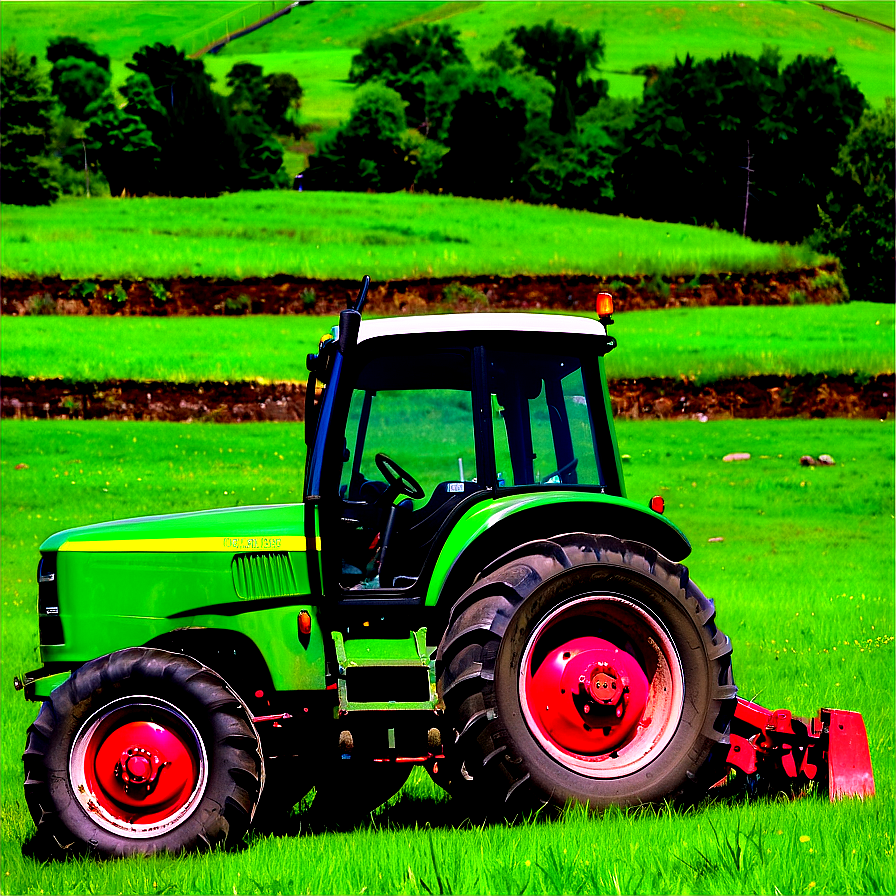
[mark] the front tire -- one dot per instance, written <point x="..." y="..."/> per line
<point x="142" y="751"/>
<point x="585" y="669"/>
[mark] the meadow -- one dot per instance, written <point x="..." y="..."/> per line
<point x="803" y="582"/>
<point x="317" y="42"/>
<point x="347" y="235"/>
<point x="703" y="344"/>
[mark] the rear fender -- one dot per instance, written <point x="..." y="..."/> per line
<point x="491" y="528"/>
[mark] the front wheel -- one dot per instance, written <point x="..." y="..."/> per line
<point x="142" y="751"/>
<point x="585" y="669"/>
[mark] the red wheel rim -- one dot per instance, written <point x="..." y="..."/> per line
<point x="138" y="767"/>
<point x="601" y="685"/>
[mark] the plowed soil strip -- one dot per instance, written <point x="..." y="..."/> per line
<point x="285" y="294"/>
<point x="816" y="395"/>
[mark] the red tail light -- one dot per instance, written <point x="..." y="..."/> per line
<point x="657" y="504"/>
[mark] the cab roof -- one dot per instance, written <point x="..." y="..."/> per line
<point x="497" y="322"/>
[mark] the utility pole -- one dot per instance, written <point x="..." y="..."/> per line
<point x="86" y="169"/>
<point x="747" y="200"/>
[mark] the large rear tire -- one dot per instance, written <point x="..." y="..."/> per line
<point x="142" y="751"/>
<point x="584" y="669"/>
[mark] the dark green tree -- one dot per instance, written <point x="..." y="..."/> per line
<point x="26" y="108"/>
<point x="247" y="88"/>
<point x="816" y="107"/>
<point x="564" y="57"/>
<point x="685" y="155"/>
<point x="402" y="60"/>
<point x="572" y="173"/>
<point x="70" y="47"/>
<point x="78" y="84"/>
<point x="198" y="155"/>
<point x="370" y="151"/>
<point x="125" y="150"/>
<point x="175" y="136"/>
<point x="486" y="143"/>
<point x="858" y="222"/>
<point x="283" y="99"/>
<point x="274" y="98"/>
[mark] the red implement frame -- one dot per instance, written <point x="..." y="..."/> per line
<point x="785" y="750"/>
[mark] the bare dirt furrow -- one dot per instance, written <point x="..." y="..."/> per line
<point x="816" y="395"/>
<point x="285" y="294"/>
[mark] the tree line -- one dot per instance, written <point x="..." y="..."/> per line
<point x="173" y="136"/>
<point x="778" y="152"/>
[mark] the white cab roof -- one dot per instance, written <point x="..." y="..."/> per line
<point x="504" y="322"/>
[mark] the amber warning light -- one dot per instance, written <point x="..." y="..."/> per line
<point x="605" y="308"/>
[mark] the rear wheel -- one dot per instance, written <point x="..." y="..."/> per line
<point x="142" y="751"/>
<point x="585" y="669"/>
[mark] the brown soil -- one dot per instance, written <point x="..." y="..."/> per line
<point x="754" y="397"/>
<point x="291" y="295"/>
<point x="766" y="396"/>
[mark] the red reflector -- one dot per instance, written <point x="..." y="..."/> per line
<point x="657" y="504"/>
<point x="604" y="304"/>
<point x="304" y="623"/>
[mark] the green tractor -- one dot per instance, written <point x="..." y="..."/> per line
<point x="465" y="587"/>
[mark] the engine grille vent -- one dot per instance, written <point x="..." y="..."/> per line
<point x="268" y="574"/>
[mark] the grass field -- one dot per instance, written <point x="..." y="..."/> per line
<point x="803" y="583"/>
<point x="316" y="42"/>
<point x="347" y="235"/>
<point x="704" y="344"/>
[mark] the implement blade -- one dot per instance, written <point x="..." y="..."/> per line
<point x="849" y="760"/>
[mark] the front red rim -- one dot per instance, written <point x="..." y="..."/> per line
<point x="601" y="685"/>
<point x="138" y="767"/>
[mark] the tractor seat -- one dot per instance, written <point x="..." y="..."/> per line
<point x="426" y="522"/>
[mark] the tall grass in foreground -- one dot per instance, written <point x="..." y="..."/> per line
<point x="701" y="343"/>
<point x="803" y="583"/>
<point x="347" y="235"/>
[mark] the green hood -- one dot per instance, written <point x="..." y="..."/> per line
<point x="261" y="527"/>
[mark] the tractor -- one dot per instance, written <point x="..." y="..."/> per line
<point x="465" y="586"/>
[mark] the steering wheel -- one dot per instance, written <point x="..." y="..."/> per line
<point x="400" y="481"/>
<point x="566" y="468"/>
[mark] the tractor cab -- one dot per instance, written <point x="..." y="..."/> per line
<point x="423" y="418"/>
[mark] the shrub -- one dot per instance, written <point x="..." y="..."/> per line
<point x="159" y="294"/>
<point x="84" y="290"/>
<point x="118" y="296"/>
<point x="858" y="219"/>
<point x="43" y="303"/>
<point x="239" y="305"/>
<point x="455" y="293"/>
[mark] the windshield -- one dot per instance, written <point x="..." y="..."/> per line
<point x="541" y="420"/>
<point x="427" y="426"/>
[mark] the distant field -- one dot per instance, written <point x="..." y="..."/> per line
<point x="347" y="235"/>
<point x="704" y="344"/>
<point x="316" y="42"/>
<point x="803" y="583"/>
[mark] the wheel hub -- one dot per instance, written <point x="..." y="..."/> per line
<point x="138" y="766"/>
<point x="129" y="764"/>
<point x="588" y="695"/>
<point x="138" y="770"/>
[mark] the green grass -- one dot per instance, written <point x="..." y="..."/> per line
<point x="803" y="583"/>
<point x="701" y="343"/>
<point x="347" y="235"/>
<point x="634" y="34"/>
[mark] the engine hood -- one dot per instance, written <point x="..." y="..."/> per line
<point x="264" y="527"/>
